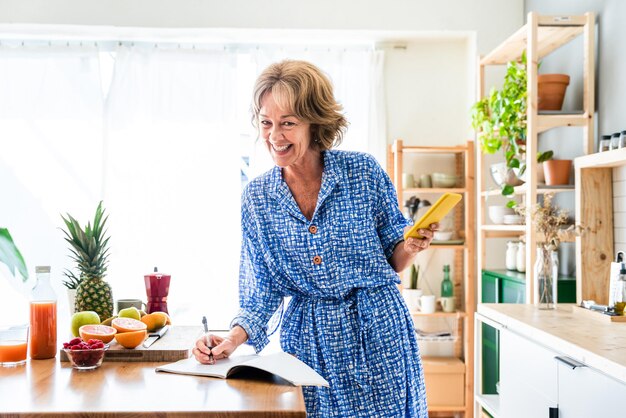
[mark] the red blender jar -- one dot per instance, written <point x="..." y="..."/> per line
<point x="157" y="288"/>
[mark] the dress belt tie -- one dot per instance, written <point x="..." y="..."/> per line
<point x="360" y="299"/>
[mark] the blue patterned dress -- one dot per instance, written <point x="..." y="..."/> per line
<point x="346" y="318"/>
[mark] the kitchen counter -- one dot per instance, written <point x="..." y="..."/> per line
<point x="593" y="341"/>
<point x="44" y="388"/>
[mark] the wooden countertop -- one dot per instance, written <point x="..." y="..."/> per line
<point x="44" y="388"/>
<point x="595" y="342"/>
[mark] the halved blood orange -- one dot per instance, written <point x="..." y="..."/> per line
<point x="103" y="333"/>
<point x="128" y="325"/>
<point x="131" y="339"/>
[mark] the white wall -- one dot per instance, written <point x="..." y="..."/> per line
<point x="492" y="19"/>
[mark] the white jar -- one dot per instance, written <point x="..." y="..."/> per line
<point x="521" y="257"/>
<point x="511" y="255"/>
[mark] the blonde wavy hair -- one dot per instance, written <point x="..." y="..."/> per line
<point x="305" y="90"/>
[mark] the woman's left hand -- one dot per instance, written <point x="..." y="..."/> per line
<point x="415" y="245"/>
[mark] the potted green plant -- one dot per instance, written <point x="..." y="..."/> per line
<point x="10" y="255"/>
<point x="500" y="122"/>
<point x="413" y="292"/>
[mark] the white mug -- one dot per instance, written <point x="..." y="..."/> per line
<point x="447" y="303"/>
<point x="427" y="303"/>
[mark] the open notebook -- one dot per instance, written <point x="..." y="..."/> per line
<point x="280" y="364"/>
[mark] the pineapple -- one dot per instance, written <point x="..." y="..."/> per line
<point x="89" y="250"/>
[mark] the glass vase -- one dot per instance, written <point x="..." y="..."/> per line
<point x="546" y="276"/>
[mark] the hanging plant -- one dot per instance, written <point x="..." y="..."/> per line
<point x="500" y="121"/>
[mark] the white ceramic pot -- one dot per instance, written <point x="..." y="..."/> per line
<point x="412" y="298"/>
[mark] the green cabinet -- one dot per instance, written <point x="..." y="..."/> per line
<point x="505" y="286"/>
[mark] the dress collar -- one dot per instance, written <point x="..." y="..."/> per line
<point x="280" y="191"/>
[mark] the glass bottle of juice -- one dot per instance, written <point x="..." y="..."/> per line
<point x="43" y="317"/>
<point x="447" y="288"/>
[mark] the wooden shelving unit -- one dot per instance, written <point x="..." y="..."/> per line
<point x="464" y="264"/>
<point x="540" y="36"/>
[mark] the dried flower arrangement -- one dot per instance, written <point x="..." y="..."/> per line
<point x="549" y="220"/>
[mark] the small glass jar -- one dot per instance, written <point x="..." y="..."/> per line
<point x="521" y="257"/>
<point x="622" y="139"/>
<point x="615" y="141"/>
<point x="511" y="255"/>
<point x="605" y="143"/>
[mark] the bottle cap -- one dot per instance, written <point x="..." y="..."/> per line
<point x="446" y="268"/>
<point x="42" y="269"/>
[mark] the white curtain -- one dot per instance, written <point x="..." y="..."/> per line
<point x="50" y="157"/>
<point x="358" y="82"/>
<point x="172" y="180"/>
<point x="158" y="135"/>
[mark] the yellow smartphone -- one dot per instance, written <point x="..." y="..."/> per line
<point x="435" y="214"/>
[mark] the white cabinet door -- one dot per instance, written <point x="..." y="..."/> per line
<point x="528" y="377"/>
<point x="585" y="392"/>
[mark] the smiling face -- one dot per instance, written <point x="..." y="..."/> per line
<point x="287" y="137"/>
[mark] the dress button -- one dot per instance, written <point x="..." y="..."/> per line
<point x="313" y="229"/>
<point x="317" y="260"/>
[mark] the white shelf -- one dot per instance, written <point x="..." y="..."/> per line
<point x="553" y="32"/>
<point x="541" y="189"/>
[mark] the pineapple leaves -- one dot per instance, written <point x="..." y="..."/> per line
<point x="88" y="246"/>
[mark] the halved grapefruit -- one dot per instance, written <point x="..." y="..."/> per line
<point x="97" y="332"/>
<point x="128" y="325"/>
<point x="131" y="339"/>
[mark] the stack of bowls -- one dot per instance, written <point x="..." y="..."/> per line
<point x="497" y="213"/>
<point x="444" y="180"/>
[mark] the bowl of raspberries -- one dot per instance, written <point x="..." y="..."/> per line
<point x="85" y="355"/>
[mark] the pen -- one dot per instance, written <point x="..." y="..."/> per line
<point x="206" y="332"/>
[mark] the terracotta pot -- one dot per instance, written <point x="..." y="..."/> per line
<point x="551" y="91"/>
<point x="557" y="171"/>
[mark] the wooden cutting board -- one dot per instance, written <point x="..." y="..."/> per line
<point x="175" y="345"/>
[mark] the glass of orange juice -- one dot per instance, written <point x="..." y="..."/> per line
<point x="13" y="345"/>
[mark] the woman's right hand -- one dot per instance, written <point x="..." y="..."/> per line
<point x="212" y="347"/>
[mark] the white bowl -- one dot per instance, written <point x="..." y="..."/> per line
<point x="497" y="213"/>
<point x="513" y="219"/>
<point x="442" y="235"/>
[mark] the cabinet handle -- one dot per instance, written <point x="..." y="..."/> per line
<point x="573" y="364"/>
<point x="553" y="412"/>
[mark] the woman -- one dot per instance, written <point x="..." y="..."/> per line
<point x="324" y="227"/>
